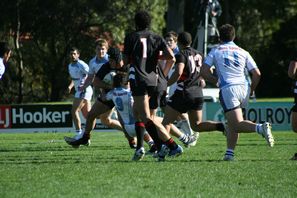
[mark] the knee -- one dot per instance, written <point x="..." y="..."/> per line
<point x="91" y="115"/>
<point x="105" y="120"/>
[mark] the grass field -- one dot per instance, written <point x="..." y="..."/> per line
<point x="42" y="165"/>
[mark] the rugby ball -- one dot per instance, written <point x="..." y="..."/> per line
<point x="108" y="78"/>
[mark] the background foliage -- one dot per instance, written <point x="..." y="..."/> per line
<point x="48" y="28"/>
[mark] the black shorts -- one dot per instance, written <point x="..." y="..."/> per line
<point x="108" y="103"/>
<point x="163" y="100"/>
<point x="142" y="89"/>
<point x="156" y="99"/>
<point x="183" y="104"/>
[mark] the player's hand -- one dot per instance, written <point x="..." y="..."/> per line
<point x="202" y="83"/>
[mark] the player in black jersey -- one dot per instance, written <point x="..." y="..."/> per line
<point x="142" y="50"/>
<point x="188" y="96"/>
<point x="292" y="73"/>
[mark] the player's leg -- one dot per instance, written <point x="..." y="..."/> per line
<point x="184" y="124"/>
<point x="86" y="108"/>
<point x="108" y="121"/>
<point x="76" y="108"/>
<point x="294" y="118"/>
<point x="195" y="118"/>
<point x="294" y="125"/>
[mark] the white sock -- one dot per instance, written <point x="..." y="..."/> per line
<point x="229" y="152"/>
<point x="259" y="129"/>
<point x="185" y="126"/>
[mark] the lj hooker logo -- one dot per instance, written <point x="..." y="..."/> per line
<point x="35" y="116"/>
<point x="5" y="117"/>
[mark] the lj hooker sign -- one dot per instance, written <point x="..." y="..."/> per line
<point x="35" y="116"/>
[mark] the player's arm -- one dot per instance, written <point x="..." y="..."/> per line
<point x="179" y="68"/>
<point x="255" y="78"/>
<point x="167" y="55"/>
<point x="98" y="83"/>
<point x="292" y="70"/>
<point x="207" y="74"/>
<point x="70" y="86"/>
<point x="88" y="81"/>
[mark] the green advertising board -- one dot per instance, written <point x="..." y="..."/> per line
<point x="277" y="113"/>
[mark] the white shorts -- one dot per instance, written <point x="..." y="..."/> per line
<point x="235" y="96"/>
<point x="85" y="95"/>
<point x="130" y="129"/>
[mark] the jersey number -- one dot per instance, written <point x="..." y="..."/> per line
<point x="226" y="57"/>
<point x="119" y="104"/>
<point x="144" y="47"/>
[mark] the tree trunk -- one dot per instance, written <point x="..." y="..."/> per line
<point x="19" y="54"/>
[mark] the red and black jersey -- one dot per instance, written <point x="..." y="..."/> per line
<point x="189" y="80"/>
<point x="142" y="49"/>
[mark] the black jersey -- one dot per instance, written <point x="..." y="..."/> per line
<point x="189" y="80"/>
<point x="105" y="69"/>
<point x="142" y="49"/>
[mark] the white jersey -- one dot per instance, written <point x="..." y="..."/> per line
<point x="123" y="101"/>
<point x="2" y="67"/>
<point x="79" y="72"/>
<point x="230" y="62"/>
<point x="95" y="64"/>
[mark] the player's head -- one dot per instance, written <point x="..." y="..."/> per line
<point x="227" y="33"/>
<point x="184" y="39"/>
<point x="120" y="80"/>
<point x="74" y="54"/>
<point x="101" y="48"/>
<point x="115" y="57"/>
<point x="171" y="39"/>
<point x="142" y="20"/>
<point x="5" y="51"/>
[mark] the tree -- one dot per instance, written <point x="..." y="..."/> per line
<point x="50" y="27"/>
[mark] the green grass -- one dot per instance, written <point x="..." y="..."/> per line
<point x="42" y="165"/>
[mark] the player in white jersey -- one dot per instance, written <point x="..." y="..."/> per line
<point x="5" y="53"/>
<point x="122" y="98"/>
<point x="230" y="61"/>
<point x="96" y="62"/>
<point x="78" y="71"/>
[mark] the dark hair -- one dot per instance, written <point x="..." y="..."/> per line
<point x="142" y="20"/>
<point x="72" y="49"/>
<point x="115" y="54"/>
<point x="4" y="48"/>
<point x="227" y="33"/>
<point x="171" y="34"/>
<point x="119" y="80"/>
<point x="184" y="38"/>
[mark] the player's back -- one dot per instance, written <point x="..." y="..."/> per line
<point x="230" y="62"/>
<point x="189" y="79"/>
<point x="142" y="49"/>
<point x="123" y="101"/>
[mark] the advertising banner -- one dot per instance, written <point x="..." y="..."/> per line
<point x="57" y="117"/>
<point x="277" y="113"/>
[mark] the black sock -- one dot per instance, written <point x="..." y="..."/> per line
<point x="140" y="129"/>
<point x="171" y="144"/>
<point x="152" y="130"/>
